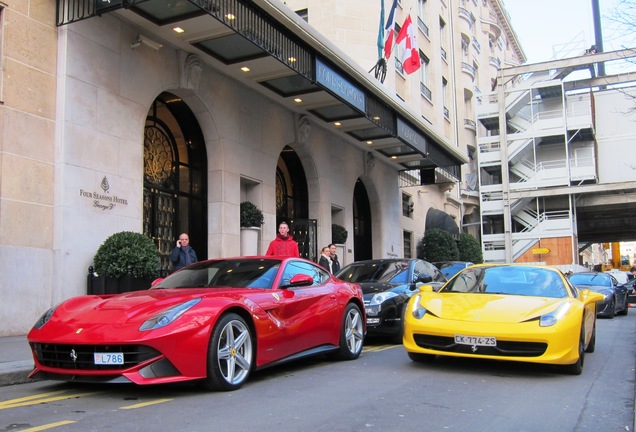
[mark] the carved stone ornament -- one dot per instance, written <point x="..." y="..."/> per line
<point x="191" y="69"/>
<point x="370" y="161"/>
<point x="303" y="129"/>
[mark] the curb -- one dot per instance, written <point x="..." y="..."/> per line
<point x="16" y="372"/>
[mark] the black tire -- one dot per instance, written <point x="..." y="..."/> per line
<point x="351" y="334"/>
<point x="592" y="345"/>
<point x="612" y="309"/>
<point x="399" y="336"/>
<point x="577" y="367"/>
<point x="626" y="310"/>
<point x="421" y="358"/>
<point x="230" y="354"/>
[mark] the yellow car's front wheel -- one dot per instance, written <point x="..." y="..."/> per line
<point x="577" y="367"/>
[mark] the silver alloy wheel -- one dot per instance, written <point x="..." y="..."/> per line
<point x="234" y="352"/>
<point x="354" y="332"/>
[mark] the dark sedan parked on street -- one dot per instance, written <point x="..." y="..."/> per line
<point x="387" y="285"/>
<point x="615" y="302"/>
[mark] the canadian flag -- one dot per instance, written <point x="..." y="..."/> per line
<point x="410" y="53"/>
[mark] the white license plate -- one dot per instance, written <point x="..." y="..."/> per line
<point x="109" y="358"/>
<point x="476" y="340"/>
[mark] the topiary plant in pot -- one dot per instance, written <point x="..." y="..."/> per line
<point x="339" y="234"/>
<point x="251" y="216"/>
<point x="251" y="221"/>
<point x="129" y="258"/>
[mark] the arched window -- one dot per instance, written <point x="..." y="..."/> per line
<point x="175" y="180"/>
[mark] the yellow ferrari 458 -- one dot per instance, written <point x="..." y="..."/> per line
<point x="504" y="312"/>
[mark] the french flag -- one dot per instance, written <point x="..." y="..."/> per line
<point x="410" y="52"/>
<point x="389" y="31"/>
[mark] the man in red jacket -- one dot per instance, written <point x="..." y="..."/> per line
<point x="283" y="245"/>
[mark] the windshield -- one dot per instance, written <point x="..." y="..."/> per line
<point x="513" y="280"/>
<point x="590" y="279"/>
<point x="450" y="269"/>
<point x="376" y="271"/>
<point x="239" y="273"/>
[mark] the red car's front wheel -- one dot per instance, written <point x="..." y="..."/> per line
<point x="230" y="354"/>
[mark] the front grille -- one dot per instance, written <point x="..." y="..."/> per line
<point x="80" y="357"/>
<point x="503" y="348"/>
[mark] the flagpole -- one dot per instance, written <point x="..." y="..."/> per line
<point x="379" y="69"/>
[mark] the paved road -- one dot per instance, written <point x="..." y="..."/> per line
<point x="381" y="391"/>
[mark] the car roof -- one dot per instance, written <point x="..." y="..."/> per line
<point x="385" y="260"/>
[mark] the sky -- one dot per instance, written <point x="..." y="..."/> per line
<point x="564" y="27"/>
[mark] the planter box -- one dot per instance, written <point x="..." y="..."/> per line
<point x="96" y="285"/>
<point x="249" y="241"/>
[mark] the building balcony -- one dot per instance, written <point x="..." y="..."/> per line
<point x="470" y="124"/>
<point x="469" y="70"/>
<point x="583" y="169"/>
<point x="579" y="112"/>
<point x="489" y="151"/>
<point x="476" y="45"/>
<point x="467" y="17"/>
<point x="489" y="25"/>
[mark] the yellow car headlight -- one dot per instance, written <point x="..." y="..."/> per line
<point x="553" y="317"/>
<point x="417" y="310"/>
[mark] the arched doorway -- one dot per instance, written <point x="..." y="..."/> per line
<point x="362" y="241"/>
<point x="175" y="179"/>
<point x="292" y="202"/>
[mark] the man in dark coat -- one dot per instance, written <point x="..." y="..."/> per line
<point x="335" y="264"/>
<point x="183" y="254"/>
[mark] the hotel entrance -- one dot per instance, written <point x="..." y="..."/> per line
<point x="175" y="180"/>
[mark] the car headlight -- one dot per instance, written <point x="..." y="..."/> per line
<point x="553" y="317"/>
<point x="417" y="310"/>
<point x="168" y="316"/>
<point x="375" y="304"/>
<point x="46" y="316"/>
<point x="380" y="298"/>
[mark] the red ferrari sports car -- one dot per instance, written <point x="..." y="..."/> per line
<point x="214" y="321"/>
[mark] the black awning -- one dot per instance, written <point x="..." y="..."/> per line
<point x="439" y="219"/>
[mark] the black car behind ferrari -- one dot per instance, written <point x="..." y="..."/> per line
<point x="615" y="302"/>
<point x="387" y="285"/>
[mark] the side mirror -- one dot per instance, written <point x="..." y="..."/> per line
<point x="299" y="280"/>
<point x="591" y="297"/>
<point x="424" y="278"/>
<point x="426" y="288"/>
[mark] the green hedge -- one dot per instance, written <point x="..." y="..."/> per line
<point x="124" y="249"/>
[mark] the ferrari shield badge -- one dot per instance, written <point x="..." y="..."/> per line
<point x="275" y="295"/>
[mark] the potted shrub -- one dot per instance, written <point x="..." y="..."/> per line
<point x="338" y="234"/>
<point x="126" y="261"/>
<point x="251" y="221"/>
<point x="251" y="216"/>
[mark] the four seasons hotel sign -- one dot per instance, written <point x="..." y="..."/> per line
<point x="103" y="200"/>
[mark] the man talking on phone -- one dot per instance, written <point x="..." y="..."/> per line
<point x="183" y="254"/>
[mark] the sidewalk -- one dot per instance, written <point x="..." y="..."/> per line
<point x="16" y="361"/>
